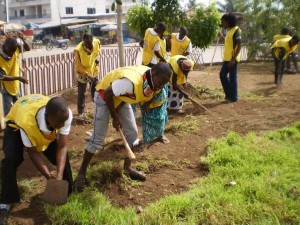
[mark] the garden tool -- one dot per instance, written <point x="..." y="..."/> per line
<point x="56" y="192"/>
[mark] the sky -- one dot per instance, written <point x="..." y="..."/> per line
<point x="206" y="2"/>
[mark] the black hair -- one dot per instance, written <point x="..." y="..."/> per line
<point x="87" y="35"/>
<point x="183" y="29"/>
<point x="56" y="106"/>
<point x="296" y="38"/>
<point x="285" y="30"/>
<point x="230" y="18"/>
<point x="161" y="26"/>
<point x="11" y="43"/>
<point x="163" y="69"/>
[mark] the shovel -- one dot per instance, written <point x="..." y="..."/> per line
<point x="56" y="192"/>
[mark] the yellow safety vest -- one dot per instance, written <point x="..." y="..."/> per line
<point x="229" y="49"/>
<point x="88" y="61"/>
<point x="283" y="43"/>
<point x="173" y="61"/>
<point x="23" y="116"/>
<point x="149" y="43"/>
<point x="11" y="68"/>
<point x="280" y="36"/>
<point x="136" y="74"/>
<point x="179" y="47"/>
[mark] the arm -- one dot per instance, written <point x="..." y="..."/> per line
<point x="5" y="77"/>
<point x="179" y="87"/>
<point x="142" y="43"/>
<point x="26" y="46"/>
<point x="108" y="95"/>
<point x="37" y="159"/>
<point x="169" y="43"/>
<point x="158" y="55"/>
<point x="61" y="156"/>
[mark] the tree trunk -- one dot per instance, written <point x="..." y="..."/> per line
<point x="120" y="35"/>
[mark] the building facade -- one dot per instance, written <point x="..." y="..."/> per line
<point x="41" y="11"/>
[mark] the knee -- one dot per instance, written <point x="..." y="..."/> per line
<point x="13" y="161"/>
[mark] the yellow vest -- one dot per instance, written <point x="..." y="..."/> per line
<point x="136" y="74"/>
<point x="11" y="68"/>
<point x="88" y="61"/>
<point x="23" y="116"/>
<point x="149" y="43"/>
<point x="181" y="78"/>
<point x="179" y="47"/>
<point x="163" y="50"/>
<point x="229" y="50"/>
<point x="280" y="36"/>
<point x="283" y="43"/>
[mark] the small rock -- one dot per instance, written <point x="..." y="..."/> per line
<point x="139" y="209"/>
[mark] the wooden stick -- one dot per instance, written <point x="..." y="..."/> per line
<point x="197" y="105"/>
<point x="129" y="152"/>
<point x="212" y="60"/>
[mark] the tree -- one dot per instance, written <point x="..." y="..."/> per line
<point x="138" y="19"/>
<point x="203" y="26"/>
<point x="168" y="11"/>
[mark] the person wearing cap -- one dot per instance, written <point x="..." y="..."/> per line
<point x="181" y="66"/>
<point x="179" y="43"/>
<point x="281" y="49"/>
<point x="231" y="57"/>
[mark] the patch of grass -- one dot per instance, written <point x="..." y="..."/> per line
<point x="150" y="165"/>
<point x="264" y="169"/>
<point x="210" y="92"/>
<point x="179" y="128"/>
<point x="30" y="187"/>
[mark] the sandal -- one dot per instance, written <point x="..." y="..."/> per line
<point x="80" y="183"/>
<point x="163" y="139"/>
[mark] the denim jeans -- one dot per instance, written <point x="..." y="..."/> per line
<point x="8" y="100"/>
<point x="228" y="77"/>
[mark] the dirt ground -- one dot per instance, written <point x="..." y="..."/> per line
<point x="261" y="107"/>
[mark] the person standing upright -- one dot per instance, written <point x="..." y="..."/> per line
<point x="228" y="73"/>
<point x="151" y="45"/>
<point x="179" y="43"/>
<point x="86" y="67"/>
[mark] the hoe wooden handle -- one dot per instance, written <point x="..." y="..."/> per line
<point x="129" y="152"/>
<point x="197" y="104"/>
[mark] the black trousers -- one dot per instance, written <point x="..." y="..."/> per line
<point x="81" y="94"/>
<point x="13" y="151"/>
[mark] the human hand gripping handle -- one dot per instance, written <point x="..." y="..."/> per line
<point x="129" y="152"/>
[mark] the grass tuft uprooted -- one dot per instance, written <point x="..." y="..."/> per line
<point x="253" y="179"/>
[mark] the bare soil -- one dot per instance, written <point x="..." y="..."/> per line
<point x="261" y="107"/>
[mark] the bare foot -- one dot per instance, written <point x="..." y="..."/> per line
<point x="163" y="139"/>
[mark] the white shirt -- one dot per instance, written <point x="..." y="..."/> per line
<point x="41" y="120"/>
<point x="156" y="47"/>
<point x="122" y="86"/>
<point x="189" y="48"/>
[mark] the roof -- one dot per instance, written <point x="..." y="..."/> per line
<point x="83" y="26"/>
<point x="56" y="23"/>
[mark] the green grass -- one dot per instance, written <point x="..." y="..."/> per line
<point x="265" y="168"/>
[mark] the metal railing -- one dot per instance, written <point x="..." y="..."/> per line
<point x="49" y="75"/>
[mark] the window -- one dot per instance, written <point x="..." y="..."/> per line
<point x="107" y="10"/>
<point x="69" y="10"/>
<point x="91" y="10"/>
<point x="22" y="14"/>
